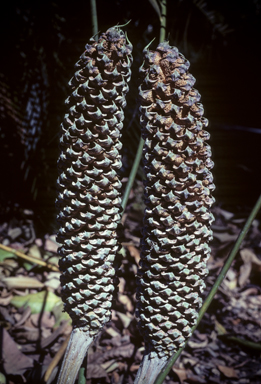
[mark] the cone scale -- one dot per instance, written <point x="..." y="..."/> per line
<point x="89" y="189"/>
<point x="177" y="218"/>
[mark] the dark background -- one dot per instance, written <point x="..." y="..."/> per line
<point x="40" y="43"/>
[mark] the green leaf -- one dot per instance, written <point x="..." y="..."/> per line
<point x="156" y="7"/>
<point x="59" y="314"/>
<point x="28" y="266"/>
<point x="2" y="378"/>
<point x="221" y="330"/>
<point x="53" y="259"/>
<point x="36" y="301"/>
<point x="6" y="255"/>
<point x="35" y="251"/>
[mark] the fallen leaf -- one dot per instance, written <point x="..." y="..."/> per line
<point x="50" y="339"/>
<point x="36" y="301"/>
<point x="39" y="242"/>
<point x="126" y="320"/>
<point x="9" y="265"/>
<point x="239" y="221"/>
<point x="51" y="245"/>
<point x="22" y="282"/>
<point x="13" y="233"/>
<point x="135" y="253"/>
<point x="121" y="285"/>
<point x="59" y="314"/>
<point x="247" y="255"/>
<point x="53" y="260"/>
<point x="13" y="360"/>
<point x="191" y="378"/>
<point x="191" y="362"/>
<point x="181" y="373"/>
<point x="110" y="366"/>
<point x="112" y="332"/>
<point x="230" y="281"/>
<point x="46" y="318"/>
<point x="227" y="371"/>
<point x="250" y="291"/>
<point x="225" y="237"/>
<point x="53" y="280"/>
<point x="95" y="371"/>
<point x="244" y="273"/>
<point x="235" y="321"/>
<point x="218" y="228"/>
<point x="231" y="275"/>
<point x="5" y="314"/>
<point x="242" y="363"/>
<point x="226" y="214"/>
<point x="125" y="351"/>
<point x="35" y="251"/>
<point x="215" y="264"/>
<point x="25" y="334"/>
<point x="5" y="300"/>
<point x="201" y="336"/>
<point x="232" y="284"/>
<point x="249" y="258"/>
<point x="107" y="364"/>
<point x="134" y="367"/>
<point x="23" y="317"/>
<point x="37" y="374"/>
<point x="115" y="377"/>
<point x="35" y="254"/>
<point x="194" y="345"/>
<point x="125" y="300"/>
<point x="221" y="330"/>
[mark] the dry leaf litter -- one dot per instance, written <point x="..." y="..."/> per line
<point x="225" y="348"/>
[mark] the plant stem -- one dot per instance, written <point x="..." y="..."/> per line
<point x="215" y="287"/>
<point x="74" y="355"/>
<point x="56" y="359"/>
<point x="141" y="143"/>
<point x="163" y="21"/>
<point x="81" y="376"/>
<point x="132" y="174"/>
<point x="30" y="258"/>
<point x="94" y="17"/>
<point x="244" y="343"/>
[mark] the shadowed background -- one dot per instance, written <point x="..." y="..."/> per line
<point x="41" y="43"/>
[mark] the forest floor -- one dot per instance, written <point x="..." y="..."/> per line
<point x="225" y="348"/>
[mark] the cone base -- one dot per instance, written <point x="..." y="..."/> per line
<point x="149" y="369"/>
<point x="76" y="350"/>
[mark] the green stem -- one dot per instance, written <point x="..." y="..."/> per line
<point x="245" y="343"/>
<point x="215" y="287"/>
<point x="81" y="376"/>
<point x="94" y="18"/>
<point x="141" y="143"/>
<point x="132" y="174"/>
<point x="163" y="20"/>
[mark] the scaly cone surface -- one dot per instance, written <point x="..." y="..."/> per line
<point x="178" y="198"/>
<point x="89" y="189"/>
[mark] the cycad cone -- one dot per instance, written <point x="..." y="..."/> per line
<point x="178" y="198"/>
<point x="89" y="200"/>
